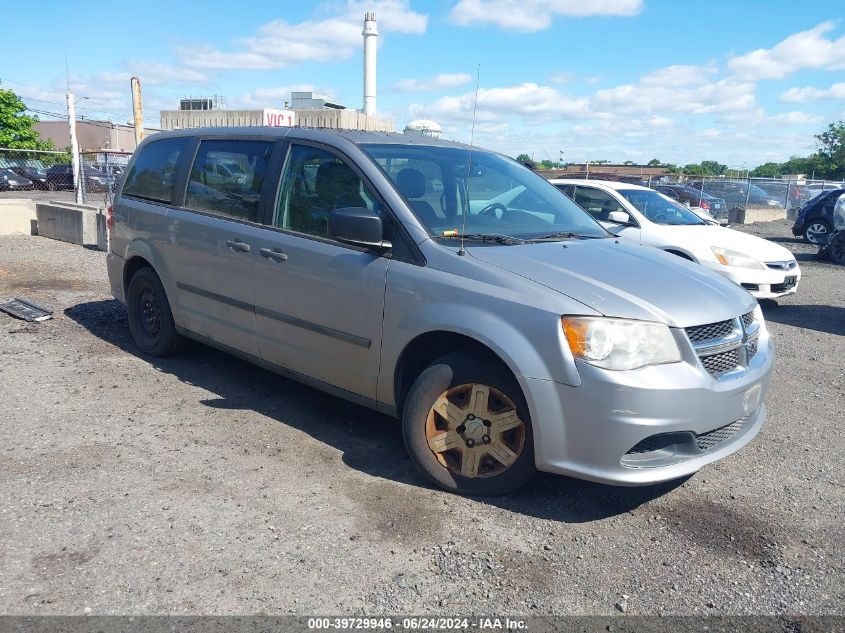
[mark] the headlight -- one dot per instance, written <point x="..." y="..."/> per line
<point x="728" y="257"/>
<point x="620" y="343"/>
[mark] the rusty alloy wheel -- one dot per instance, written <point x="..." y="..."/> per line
<point x="474" y="431"/>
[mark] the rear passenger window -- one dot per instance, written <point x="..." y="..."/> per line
<point x="227" y="177"/>
<point x="597" y="203"/>
<point x="153" y="174"/>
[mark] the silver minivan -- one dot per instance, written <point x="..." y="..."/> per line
<point x="508" y="333"/>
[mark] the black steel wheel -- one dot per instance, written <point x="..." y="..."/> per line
<point x="150" y="318"/>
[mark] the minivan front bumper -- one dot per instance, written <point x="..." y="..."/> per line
<point x="649" y="425"/>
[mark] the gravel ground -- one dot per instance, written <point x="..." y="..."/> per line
<point x="201" y="484"/>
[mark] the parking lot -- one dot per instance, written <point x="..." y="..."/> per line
<point x="202" y="484"/>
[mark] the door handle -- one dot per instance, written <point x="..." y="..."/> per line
<point x="273" y="254"/>
<point x="238" y="246"/>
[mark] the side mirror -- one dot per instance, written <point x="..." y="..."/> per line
<point x="357" y="226"/>
<point x="619" y="217"/>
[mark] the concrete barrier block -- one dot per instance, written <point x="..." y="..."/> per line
<point x="749" y="215"/>
<point x="60" y="223"/>
<point x="73" y="223"/>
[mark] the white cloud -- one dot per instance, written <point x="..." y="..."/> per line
<point x="273" y="97"/>
<point x="560" y="77"/>
<point x="795" y="118"/>
<point x="438" y="82"/>
<point x="687" y="93"/>
<point x="807" y="49"/>
<point x="678" y="75"/>
<point x="154" y="74"/>
<point x="534" y="15"/>
<point x="278" y="43"/>
<point x="809" y="93"/>
<point x="530" y="101"/>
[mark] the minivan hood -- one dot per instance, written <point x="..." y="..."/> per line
<point x="617" y="280"/>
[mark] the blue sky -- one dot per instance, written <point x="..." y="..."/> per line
<point x="740" y="82"/>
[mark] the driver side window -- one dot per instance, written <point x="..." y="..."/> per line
<point x="596" y="202"/>
<point x="315" y="183"/>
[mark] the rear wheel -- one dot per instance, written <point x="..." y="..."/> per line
<point x="150" y="319"/>
<point x="467" y="428"/>
<point x="817" y="231"/>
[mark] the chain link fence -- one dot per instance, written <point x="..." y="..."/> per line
<point x="717" y="195"/>
<point x="102" y="172"/>
<point x="23" y="172"/>
<point x="30" y="170"/>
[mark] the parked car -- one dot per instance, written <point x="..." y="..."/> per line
<point x="10" y="181"/>
<point x="506" y="336"/>
<point x="814" y="221"/>
<point x="61" y="177"/>
<point x="716" y="207"/>
<point x="642" y="216"/>
<point x="37" y="175"/>
<point x="96" y="180"/>
<point x="790" y="195"/>
<point x="738" y="193"/>
<point x="834" y="248"/>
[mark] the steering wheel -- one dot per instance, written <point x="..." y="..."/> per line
<point x="659" y="217"/>
<point x="491" y="209"/>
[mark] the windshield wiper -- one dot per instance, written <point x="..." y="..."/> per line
<point x="482" y="237"/>
<point x="565" y="235"/>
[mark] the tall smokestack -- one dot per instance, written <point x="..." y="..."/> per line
<point x="370" y="34"/>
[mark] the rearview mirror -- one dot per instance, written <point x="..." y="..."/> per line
<point x="357" y="226"/>
<point x="619" y="217"/>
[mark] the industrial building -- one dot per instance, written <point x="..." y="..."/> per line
<point x="93" y="136"/>
<point x="305" y="109"/>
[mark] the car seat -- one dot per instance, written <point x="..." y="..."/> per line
<point x="411" y="184"/>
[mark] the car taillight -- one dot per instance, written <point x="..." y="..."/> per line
<point x="704" y="205"/>
<point x="110" y="217"/>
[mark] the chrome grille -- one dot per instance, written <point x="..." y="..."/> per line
<point x="725" y="348"/>
<point x="748" y="319"/>
<point x="711" y="331"/>
<point x="788" y="265"/>
<point x="751" y="347"/>
<point x="713" y="438"/>
<point x="719" y="364"/>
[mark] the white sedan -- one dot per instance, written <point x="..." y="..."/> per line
<point x="644" y="216"/>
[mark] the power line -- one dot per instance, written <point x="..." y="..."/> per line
<point x="44" y="90"/>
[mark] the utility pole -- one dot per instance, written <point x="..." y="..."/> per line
<point x="137" y="110"/>
<point x="74" y="146"/>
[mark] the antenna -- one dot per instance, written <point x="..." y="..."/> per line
<point x="462" y="251"/>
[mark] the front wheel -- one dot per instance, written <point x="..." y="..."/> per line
<point x="466" y="427"/>
<point x="817" y="232"/>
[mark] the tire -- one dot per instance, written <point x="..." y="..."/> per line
<point x="51" y="186"/>
<point x="150" y="318"/>
<point x="836" y="248"/>
<point x="463" y="377"/>
<point x="817" y="231"/>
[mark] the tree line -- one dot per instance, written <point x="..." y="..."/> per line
<point x="826" y="163"/>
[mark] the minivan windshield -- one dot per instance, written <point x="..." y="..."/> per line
<point x="454" y="191"/>
<point x="659" y="209"/>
